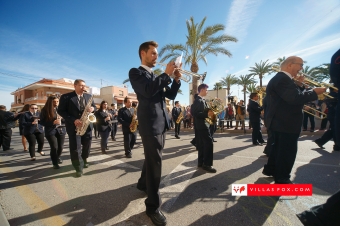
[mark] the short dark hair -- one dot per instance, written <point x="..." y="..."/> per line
<point x="134" y="104"/>
<point x="125" y="99"/>
<point x="145" y="47"/>
<point x="252" y="95"/>
<point x="2" y="107"/>
<point x="77" y="81"/>
<point x="113" y="104"/>
<point x="176" y="102"/>
<point x="201" y="86"/>
<point x="101" y="105"/>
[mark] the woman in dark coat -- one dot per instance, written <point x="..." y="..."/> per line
<point x="55" y="130"/>
<point x="103" y="123"/>
<point x="21" y="127"/>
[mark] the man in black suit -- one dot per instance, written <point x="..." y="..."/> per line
<point x="284" y="118"/>
<point x="204" y="140"/>
<point x="176" y="111"/>
<point x="255" y="110"/>
<point x="6" y="118"/>
<point x="125" y="118"/>
<point x="71" y="108"/>
<point x="153" y="121"/>
<point x="114" y="113"/>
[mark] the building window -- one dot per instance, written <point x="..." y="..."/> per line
<point x="121" y="93"/>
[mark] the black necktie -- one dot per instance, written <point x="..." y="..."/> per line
<point x="81" y="103"/>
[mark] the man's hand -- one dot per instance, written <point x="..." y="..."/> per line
<point x="210" y="113"/>
<point x="78" y="123"/>
<point x="90" y="109"/>
<point x="320" y="90"/>
<point x="170" y="68"/>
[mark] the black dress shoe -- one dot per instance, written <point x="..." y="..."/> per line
<point x="257" y="144"/>
<point x="214" y="140"/>
<point x="287" y="181"/>
<point x="177" y="137"/>
<point x="60" y="161"/>
<point x="9" y="149"/>
<point x="56" y="166"/>
<point x="141" y="189"/>
<point x="157" y="218"/>
<point x="106" y="148"/>
<point x="267" y="173"/>
<point x="86" y="165"/>
<point x="128" y="155"/>
<point x="104" y="152"/>
<point x="209" y="169"/>
<point x="319" y="145"/>
<point x="264" y="142"/>
<point x="113" y="139"/>
<point x="199" y="165"/>
<point x="79" y="173"/>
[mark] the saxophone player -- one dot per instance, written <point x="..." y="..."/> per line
<point x="71" y="108"/>
<point x="104" y="125"/>
<point x="125" y="118"/>
<point x="177" y="116"/>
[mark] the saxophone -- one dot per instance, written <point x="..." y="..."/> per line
<point x="134" y="121"/>
<point x="180" y="117"/>
<point x="86" y="118"/>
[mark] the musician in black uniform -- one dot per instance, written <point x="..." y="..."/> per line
<point x="33" y="130"/>
<point x="6" y="119"/>
<point x="176" y="111"/>
<point x="153" y="122"/>
<point x="55" y="130"/>
<point x="125" y="118"/>
<point x="71" y="108"/>
<point x="204" y="140"/>
<point x="104" y="119"/>
<point x="114" y="125"/>
<point x="254" y="110"/>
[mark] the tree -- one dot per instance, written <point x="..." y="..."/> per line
<point x="251" y="88"/>
<point x="244" y="81"/>
<point x="261" y="69"/>
<point x="156" y="71"/>
<point x="200" y="42"/>
<point x="217" y="86"/>
<point x="279" y="61"/>
<point x="228" y="81"/>
<point x="321" y="73"/>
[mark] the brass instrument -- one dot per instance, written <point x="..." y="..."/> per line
<point x="187" y="74"/>
<point x="306" y="110"/>
<point x="311" y="82"/>
<point x="215" y="105"/>
<point x="179" y="118"/>
<point x="86" y="118"/>
<point x="134" y="121"/>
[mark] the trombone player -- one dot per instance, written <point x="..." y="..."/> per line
<point x="153" y="121"/>
<point x="284" y="117"/>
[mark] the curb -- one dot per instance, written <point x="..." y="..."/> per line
<point x="3" y="219"/>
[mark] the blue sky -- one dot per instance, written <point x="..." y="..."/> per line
<point x="98" y="40"/>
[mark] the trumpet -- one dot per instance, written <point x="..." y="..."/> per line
<point x="311" y="82"/>
<point x="187" y="74"/>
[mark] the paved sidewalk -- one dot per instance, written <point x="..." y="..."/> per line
<point x="33" y="193"/>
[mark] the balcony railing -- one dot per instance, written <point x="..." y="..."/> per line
<point x="36" y="98"/>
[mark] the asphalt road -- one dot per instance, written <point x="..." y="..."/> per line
<point x="33" y="193"/>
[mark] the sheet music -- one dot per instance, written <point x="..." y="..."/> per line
<point x="178" y="60"/>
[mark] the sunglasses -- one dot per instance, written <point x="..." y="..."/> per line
<point x="34" y="108"/>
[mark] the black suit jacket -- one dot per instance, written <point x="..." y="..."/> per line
<point x="69" y="109"/>
<point x="50" y="128"/>
<point x="101" y="124"/>
<point x="114" y="118"/>
<point x="30" y="128"/>
<point x="285" y="101"/>
<point x="151" y="93"/>
<point x="175" y="113"/>
<point x="254" y="110"/>
<point x="199" y="109"/>
<point x="125" y="118"/>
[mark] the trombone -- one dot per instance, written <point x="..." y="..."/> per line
<point x="322" y="115"/>
<point x="187" y="74"/>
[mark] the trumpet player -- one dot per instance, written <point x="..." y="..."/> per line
<point x="204" y="140"/>
<point x="71" y="107"/>
<point x="177" y="116"/>
<point x="125" y="118"/>
<point x="104" y="125"/>
<point x="283" y="116"/>
<point x="54" y="129"/>
<point x="153" y="121"/>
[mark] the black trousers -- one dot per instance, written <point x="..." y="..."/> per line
<point x="5" y="138"/>
<point x="56" y="146"/>
<point x="177" y="128"/>
<point x="305" y="121"/>
<point x="256" y="135"/>
<point x="212" y="129"/>
<point x="79" y="156"/>
<point x="270" y="141"/>
<point x="152" y="171"/>
<point x="324" y="123"/>
<point x="326" y="214"/>
<point x="32" y="139"/>
<point x="204" y="144"/>
<point x="114" y="130"/>
<point x="104" y="138"/>
<point x="129" y="141"/>
<point x="282" y="156"/>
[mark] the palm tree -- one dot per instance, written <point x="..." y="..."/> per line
<point x="199" y="43"/>
<point x="321" y="72"/>
<point x="244" y="81"/>
<point x="217" y="86"/>
<point x="228" y="81"/>
<point x="261" y="69"/>
<point x="279" y="61"/>
<point x="251" y="88"/>
<point x="156" y="71"/>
